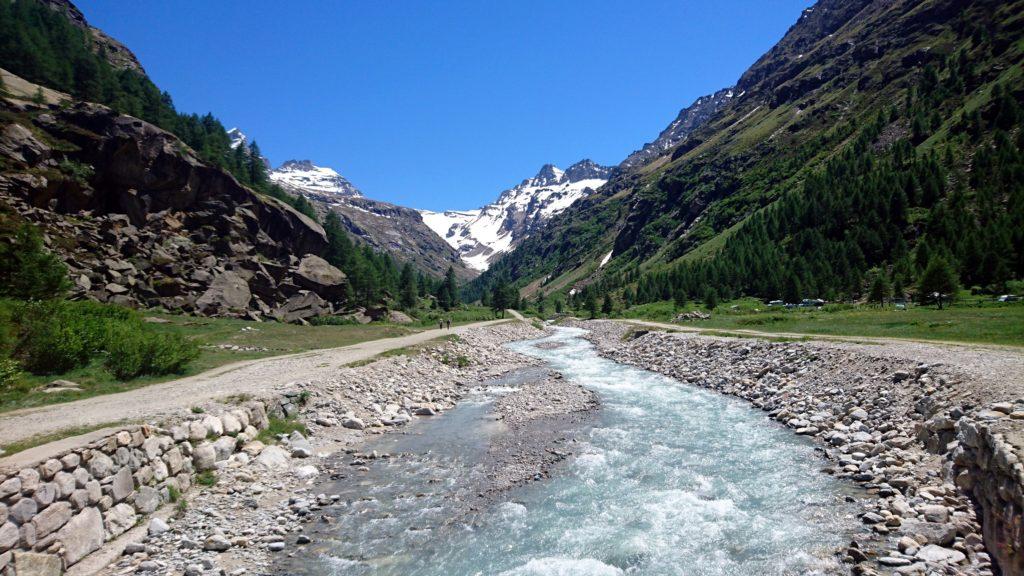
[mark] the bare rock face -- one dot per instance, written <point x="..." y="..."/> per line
<point x="301" y="307"/>
<point x="227" y="292"/>
<point x="141" y="221"/>
<point x="315" y="273"/>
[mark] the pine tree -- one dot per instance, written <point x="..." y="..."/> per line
<point x="937" y="282"/>
<point x="499" y="297"/>
<point x="591" y="304"/>
<point x="879" y="291"/>
<point x="711" y="298"/>
<point x="679" y="299"/>
<point x="452" y="287"/>
<point x="607" y="306"/>
<point x="408" y="295"/>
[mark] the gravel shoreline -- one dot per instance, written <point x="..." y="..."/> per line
<point x="883" y="419"/>
<point x="265" y="497"/>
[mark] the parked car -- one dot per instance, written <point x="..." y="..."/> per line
<point x="776" y="303"/>
<point x="1008" y="298"/>
<point x="811" y="302"/>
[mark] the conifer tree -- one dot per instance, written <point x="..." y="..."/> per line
<point x="879" y="291"/>
<point x="937" y="281"/>
<point x="408" y="294"/>
<point x="607" y="306"/>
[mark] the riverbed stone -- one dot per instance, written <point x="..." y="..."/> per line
<point x="933" y="553"/>
<point x="274" y="458"/>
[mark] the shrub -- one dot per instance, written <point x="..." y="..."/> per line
<point x="56" y="337"/>
<point x="134" y="352"/>
<point x="9" y="371"/>
<point x="27" y="270"/>
<point x="52" y="349"/>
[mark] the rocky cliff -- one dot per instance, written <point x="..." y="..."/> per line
<point x="141" y="221"/>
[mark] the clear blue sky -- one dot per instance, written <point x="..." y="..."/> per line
<point x="442" y="104"/>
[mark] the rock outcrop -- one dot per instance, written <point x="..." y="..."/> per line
<point x="140" y="220"/>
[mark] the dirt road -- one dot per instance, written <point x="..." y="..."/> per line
<point x="254" y="377"/>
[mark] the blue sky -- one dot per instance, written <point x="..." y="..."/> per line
<point x="442" y="104"/>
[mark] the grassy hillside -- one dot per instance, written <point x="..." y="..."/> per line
<point x="875" y="139"/>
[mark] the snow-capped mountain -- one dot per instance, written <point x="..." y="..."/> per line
<point x="483" y="235"/>
<point x="238" y="138"/>
<point x="311" y="180"/>
<point x="383" y="226"/>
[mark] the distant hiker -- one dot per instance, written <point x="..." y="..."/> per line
<point x="449" y="323"/>
<point x="440" y="324"/>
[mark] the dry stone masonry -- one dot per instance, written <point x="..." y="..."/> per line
<point x="58" y="512"/>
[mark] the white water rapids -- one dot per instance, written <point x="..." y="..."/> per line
<point x="670" y="480"/>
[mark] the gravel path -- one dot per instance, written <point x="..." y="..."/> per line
<point x="253" y="377"/>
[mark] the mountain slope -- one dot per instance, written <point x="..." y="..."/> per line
<point x="850" y="85"/>
<point x="689" y="119"/>
<point x="484" y="235"/>
<point x="140" y="220"/>
<point x="397" y="230"/>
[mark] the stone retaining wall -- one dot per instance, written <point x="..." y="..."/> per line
<point x="55" y="514"/>
<point x="987" y="467"/>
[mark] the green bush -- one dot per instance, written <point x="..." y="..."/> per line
<point x="132" y="353"/>
<point x="27" y="270"/>
<point x="56" y="337"/>
<point x="9" y="371"/>
<point x="53" y="348"/>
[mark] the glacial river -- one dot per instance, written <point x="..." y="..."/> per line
<point x="669" y="479"/>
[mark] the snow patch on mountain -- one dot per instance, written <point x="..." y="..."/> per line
<point x="483" y="235"/>
<point x="320" y="182"/>
<point x="238" y="138"/>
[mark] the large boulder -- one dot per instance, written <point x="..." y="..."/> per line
<point x="316" y="274"/>
<point x="228" y="292"/>
<point x="302" y="307"/>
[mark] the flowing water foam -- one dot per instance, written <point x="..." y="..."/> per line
<point x="670" y="480"/>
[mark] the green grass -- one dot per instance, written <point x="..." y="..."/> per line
<point x="279" y="426"/>
<point x="207" y="478"/>
<point x="465" y="314"/>
<point x="972" y="319"/>
<point x="269" y="338"/>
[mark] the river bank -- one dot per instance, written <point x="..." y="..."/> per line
<point x="262" y="499"/>
<point x="884" y="419"/>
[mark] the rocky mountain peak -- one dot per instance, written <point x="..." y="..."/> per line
<point x="316" y="182"/>
<point x="238" y="138"/>
<point x="689" y="119"/>
<point x="547" y="175"/>
<point x="587" y="169"/>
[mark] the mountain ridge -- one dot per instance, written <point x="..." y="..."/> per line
<point x="483" y="235"/>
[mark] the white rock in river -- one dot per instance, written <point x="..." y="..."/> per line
<point x="273" y="457"/>
<point x="933" y="553"/>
